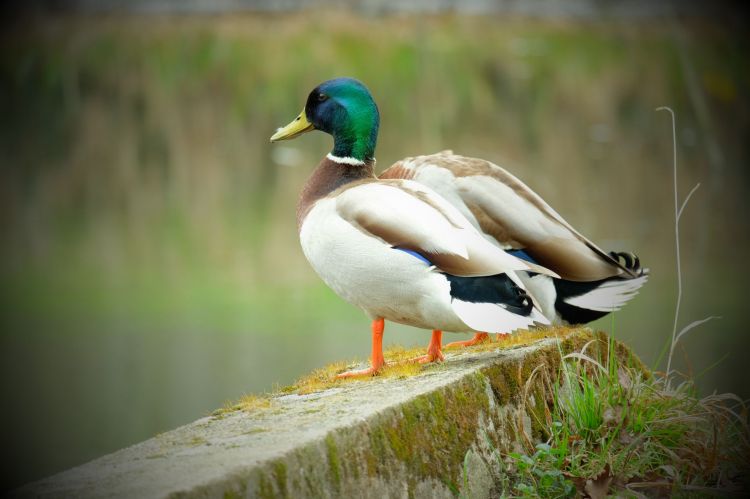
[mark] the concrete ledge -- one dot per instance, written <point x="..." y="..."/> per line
<point x="434" y="434"/>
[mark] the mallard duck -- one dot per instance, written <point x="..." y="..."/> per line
<point x="393" y="247"/>
<point x="509" y="214"/>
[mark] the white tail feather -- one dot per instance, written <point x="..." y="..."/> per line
<point x="494" y="318"/>
<point x="610" y="296"/>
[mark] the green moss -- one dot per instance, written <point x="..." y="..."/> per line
<point x="352" y="459"/>
<point x="308" y="458"/>
<point x="334" y="465"/>
<point x="279" y="473"/>
<point x="433" y="432"/>
<point x="238" y="493"/>
<point x="378" y="451"/>
<point x="504" y="380"/>
<point x="265" y="489"/>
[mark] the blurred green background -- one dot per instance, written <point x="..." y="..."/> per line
<point x="150" y="265"/>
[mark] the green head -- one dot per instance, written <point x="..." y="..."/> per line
<point x="344" y="108"/>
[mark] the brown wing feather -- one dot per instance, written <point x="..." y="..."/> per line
<point x="577" y="259"/>
<point x="409" y="216"/>
<point x="568" y="253"/>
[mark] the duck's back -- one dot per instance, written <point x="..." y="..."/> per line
<point x="510" y="214"/>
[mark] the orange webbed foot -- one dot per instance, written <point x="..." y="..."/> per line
<point x="377" y="363"/>
<point x="434" y="350"/>
<point x="359" y="373"/>
<point x="478" y="338"/>
<point x="430" y="357"/>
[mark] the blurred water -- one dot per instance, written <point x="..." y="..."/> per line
<point x="151" y="269"/>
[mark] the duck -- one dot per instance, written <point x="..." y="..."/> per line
<point x="394" y="247"/>
<point x="591" y="283"/>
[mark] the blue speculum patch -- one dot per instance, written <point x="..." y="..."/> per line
<point x="415" y="255"/>
<point x="522" y="255"/>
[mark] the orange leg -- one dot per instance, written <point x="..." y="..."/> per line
<point x="478" y="338"/>
<point x="434" y="352"/>
<point x="378" y="325"/>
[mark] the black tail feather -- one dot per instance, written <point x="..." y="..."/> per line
<point x="570" y="313"/>
<point x="628" y="260"/>
<point x="491" y="289"/>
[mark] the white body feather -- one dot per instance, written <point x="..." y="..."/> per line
<point x="385" y="282"/>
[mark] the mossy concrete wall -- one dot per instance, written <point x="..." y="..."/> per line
<point x="439" y="433"/>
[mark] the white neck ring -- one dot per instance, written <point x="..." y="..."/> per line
<point x="346" y="160"/>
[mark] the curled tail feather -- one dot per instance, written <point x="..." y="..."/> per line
<point x="630" y="261"/>
<point x="581" y="302"/>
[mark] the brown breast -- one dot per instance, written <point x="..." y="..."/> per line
<point x="328" y="177"/>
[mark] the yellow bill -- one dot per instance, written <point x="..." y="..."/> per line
<point x="297" y="127"/>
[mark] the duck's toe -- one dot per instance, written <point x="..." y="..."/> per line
<point x="430" y="357"/>
<point x="361" y="373"/>
<point x="377" y="361"/>
<point x="434" y="350"/>
<point x="478" y="338"/>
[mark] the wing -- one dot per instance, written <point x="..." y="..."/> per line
<point x="408" y="215"/>
<point x="503" y="207"/>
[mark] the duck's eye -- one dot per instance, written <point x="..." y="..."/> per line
<point x="322" y="97"/>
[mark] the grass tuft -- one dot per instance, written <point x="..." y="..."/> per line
<point x="247" y="403"/>
<point x="610" y="429"/>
